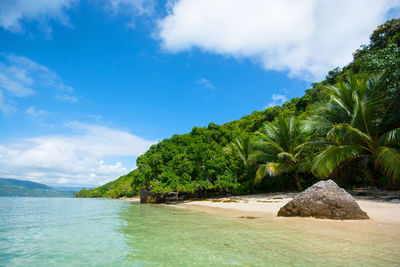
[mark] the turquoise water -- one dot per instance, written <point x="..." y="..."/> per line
<point x="101" y="232"/>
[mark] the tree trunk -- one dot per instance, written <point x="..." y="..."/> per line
<point x="299" y="186"/>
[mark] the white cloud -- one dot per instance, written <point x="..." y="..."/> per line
<point x="12" y="13"/>
<point x="67" y="98"/>
<point x="6" y="108"/>
<point x="205" y="83"/>
<point x="138" y="7"/>
<point x="15" y="80"/>
<point x="21" y="77"/>
<point x="277" y="99"/>
<point x="36" y="112"/>
<point x="306" y="38"/>
<point x="77" y="159"/>
<point x="130" y="8"/>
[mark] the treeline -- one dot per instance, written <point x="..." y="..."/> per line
<point x="345" y="128"/>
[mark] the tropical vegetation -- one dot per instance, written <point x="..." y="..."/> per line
<point x="346" y="127"/>
<point x="282" y="148"/>
<point x="355" y="129"/>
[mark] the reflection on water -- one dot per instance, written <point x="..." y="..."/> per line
<point x="98" y="232"/>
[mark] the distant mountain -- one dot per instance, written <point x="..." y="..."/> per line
<point x="72" y="189"/>
<point x="20" y="188"/>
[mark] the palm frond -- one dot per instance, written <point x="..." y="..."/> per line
<point x="388" y="159"/>
<point x="332" y="157"/>
<point x="287" y="156"/>
<point x="375" y="80"/>
<point x="268" y="147"/>
<point x="261" y="157"/>
<point x="317" y="141"/>
<point x="261" y="173"/>
<point x="241" y="148"/>
<point x="277" y="168"/>
<point x="341" y="133"/>
<point x="390" y="138"/>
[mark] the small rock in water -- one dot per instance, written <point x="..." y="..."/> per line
<point x="324" y="200"/>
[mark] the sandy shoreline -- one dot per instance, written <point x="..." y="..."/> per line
<point x="385" y="216"/>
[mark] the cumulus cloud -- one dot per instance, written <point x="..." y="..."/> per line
<point x="306" y="38"/>
<point x="22" y="77"/>
<point x="12" y="13"/>
<point x="205" y="83"/>
<point x="78" y="159"/>
<point x="277" y="99"/>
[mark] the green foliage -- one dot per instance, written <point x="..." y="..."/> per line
<point x="253" y="122"/>
<point x="355" y="112"/>
<point x="281" y="148"/>
<point x="127" y="186"/>
<point x="190" y="162"/>
<point x="241" y="148"/>
<point x="353" y="123"/>
<point x="385" y="35"/>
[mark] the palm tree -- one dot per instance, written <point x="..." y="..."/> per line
<point x="281" y="149"/>
<point x="242" y="148"/>
<point x="352" y="121"/>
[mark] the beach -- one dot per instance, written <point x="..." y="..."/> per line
<point x="384" y="215"/>
<point x="268" y="205"/>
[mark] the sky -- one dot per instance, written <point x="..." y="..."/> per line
<point x="87" y="86"/>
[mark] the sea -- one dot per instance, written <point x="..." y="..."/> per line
<point x="106" y="232"/>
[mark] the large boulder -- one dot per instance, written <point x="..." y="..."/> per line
<point x="147" y="196"/>
<point x="324" y="200"/>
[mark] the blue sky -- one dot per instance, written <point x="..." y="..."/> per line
<point x="87" y="86"/>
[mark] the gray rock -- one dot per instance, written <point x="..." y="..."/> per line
<point x="147" y="196"/>
<point x="324" y="200"/>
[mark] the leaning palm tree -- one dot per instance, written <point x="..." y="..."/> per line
<point x="281" y="149"/>
<point x="352" y="121"/>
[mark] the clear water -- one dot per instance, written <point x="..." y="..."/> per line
<point x="101" y="232"/>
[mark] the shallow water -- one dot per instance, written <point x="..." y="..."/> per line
<point x="101" y="232"/>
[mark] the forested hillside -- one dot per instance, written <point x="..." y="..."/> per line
<point x="20" y="188"/>
<point x="345" y="127"/>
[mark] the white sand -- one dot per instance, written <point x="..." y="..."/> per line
<point x="384" y="216"/>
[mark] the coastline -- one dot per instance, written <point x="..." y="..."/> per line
<point x="376" y="237"/>
<point x="384" y="215"/>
